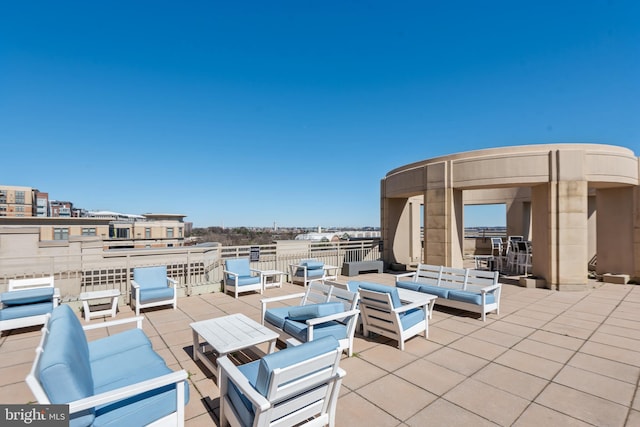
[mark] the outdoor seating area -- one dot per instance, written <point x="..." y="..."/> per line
<point x="569" y="358"/>
<point x="27" y="302"/>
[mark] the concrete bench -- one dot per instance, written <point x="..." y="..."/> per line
<point x="352" y="268"/>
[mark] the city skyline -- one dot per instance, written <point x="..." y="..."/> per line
<point x="249" y="114"/>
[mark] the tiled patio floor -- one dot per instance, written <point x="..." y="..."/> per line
<point x="549" y="358"/>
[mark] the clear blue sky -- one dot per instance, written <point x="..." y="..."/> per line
<point x="246" y="113"/>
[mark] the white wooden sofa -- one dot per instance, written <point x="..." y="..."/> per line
<point x="27" y="302"/>
<point x="118" y="380"/>
<point x="467" y="289"/>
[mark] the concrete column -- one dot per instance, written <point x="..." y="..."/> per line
<point x="443" y="217"/>
<point x="614" y="241"/>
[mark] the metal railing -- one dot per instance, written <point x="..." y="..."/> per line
<point x="191" y="266"/>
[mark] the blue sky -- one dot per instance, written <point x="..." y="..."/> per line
<point x="246" y="113"/>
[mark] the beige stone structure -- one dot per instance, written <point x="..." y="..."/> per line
<point x="576" y="202"/>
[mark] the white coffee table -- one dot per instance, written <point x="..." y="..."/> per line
<point x="85" y="297"/>
<point x="228" y="334"/>
<point x="271" y="278"/>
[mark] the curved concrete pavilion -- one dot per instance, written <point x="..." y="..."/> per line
<point x="574" y="201"/>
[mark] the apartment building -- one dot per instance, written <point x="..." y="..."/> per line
<point x="16" y="201"/>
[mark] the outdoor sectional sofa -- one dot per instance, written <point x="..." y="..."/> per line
<point x="27" y="302"/>
<point x="113" y="381"/>
<point x="467" y="289"/>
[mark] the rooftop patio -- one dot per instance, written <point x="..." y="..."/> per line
<point x="550" y="358"/>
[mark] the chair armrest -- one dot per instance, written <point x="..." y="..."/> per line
<point x="231" y="273"/>
<point x="255" y="270"/>
<point x="128" y="391"/>
<point x="134" y="284"/>
<point x="118" y="322"/>
<point x="490" y="288"/>
<point x="335" y="316"/>
<point x="230" y="371"/>
<point x="411" y="306"/>
<point x="398" y="276"/>
<point x="172" y="282"/>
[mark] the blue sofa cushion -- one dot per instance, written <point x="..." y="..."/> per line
<point x="150" y="277"/>
<point x="27" y="296"/>
<point x="144" y="408"/>
<point x="150" y="294"/>
<point x="65" y="369"/>
<point x="117" y="370"/>
<point x="291" y="356"/>
<point x="412" y="286"/>
<point x="332" y="328"/>
<point x="117" y="343"/>
<point x="243" y="280"/>
<point x="26" y="310"/>
<point x="312" y="311"/>
<point x="276" y="316"/>
<point x="436" y="290"/>
<point x="353" y="286"/>
<point x="395" y="298"/>
<point x="471" y="297"/>
<point x="411" y="317"/>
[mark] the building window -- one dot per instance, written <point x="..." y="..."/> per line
<point x="89" y="231"/>
<point x="170" y="233"/>
<point x="147" y="233"/>
<point x="180" y="232"/>
<point x="20" y="197"/>
<point x="60" y="234"/>
<point x="19" y="208"/>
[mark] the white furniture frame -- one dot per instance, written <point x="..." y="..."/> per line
<point x="85" y="297"/>
<point x="305" y="393"/>
<point x="329" y="272"/>
<point x="178" y="378"/>
<point x="259" y="286"/>
<point x="228" y="334"/>
<point x="23" y="284"/>
<point x="379" y="315"/>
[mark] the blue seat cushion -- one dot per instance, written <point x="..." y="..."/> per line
<point x="240" y="266"/>
<point x="435" y="290"/>
<point x="411" y="318"/>
<point x="243" y="280"/>
<point x="151" y="294"/>
<point x="117" y="343"/>
<point x="412" y="286"/>
<point x="312" y="311"/>
<point x="26" y="310"/>
<point x="276" y="316"/>
<point x="140" y="409"/>
<point x="471" y="297"/>
<point x="332" y="328"/>
<point x="119" y="367"/>
<point x="27" y="296"/>
<point x="395" y="298"/>
<point x="150" y="277"/>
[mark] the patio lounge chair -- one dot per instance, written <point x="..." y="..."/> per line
<point x="293" y="386"/>
<point x="383" y="313"/>
<point x="238" y="277"/>
<point x="151" y="287"/>
<point x="306" y="271"/>
<point x="27" y="302"/>
<point x="323" y="310"/>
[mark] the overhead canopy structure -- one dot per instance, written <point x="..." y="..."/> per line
<point x="574" y="201"/>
